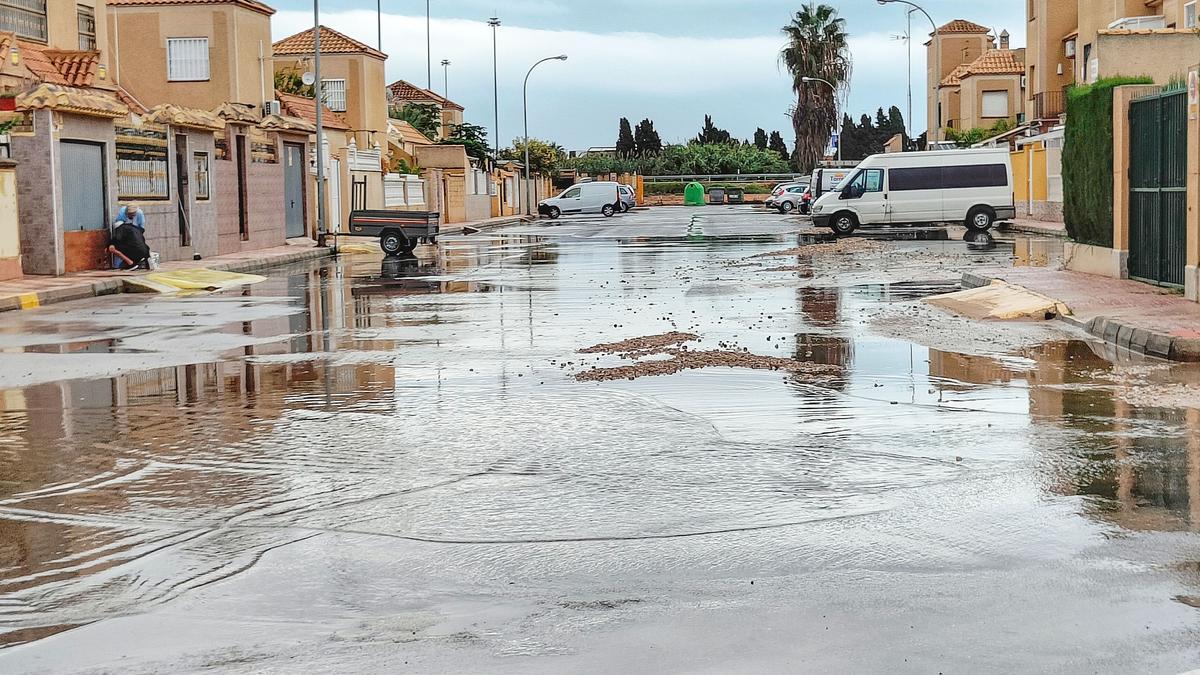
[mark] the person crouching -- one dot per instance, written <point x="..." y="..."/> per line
<point x="128" y="238"/>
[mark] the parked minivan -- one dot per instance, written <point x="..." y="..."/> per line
<point x="972" y="187"/>
<point x="591" y="197"/>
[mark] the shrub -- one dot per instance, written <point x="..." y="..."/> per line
<point x="1088" y="161"/>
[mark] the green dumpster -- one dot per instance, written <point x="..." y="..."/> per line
<point x="693" y="194"/>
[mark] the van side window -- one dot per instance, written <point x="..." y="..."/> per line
<point x="949" y="177"/>
<point x="573" y="193"/>
<point x="867" y="180"/>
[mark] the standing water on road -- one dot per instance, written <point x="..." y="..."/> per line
<point x="593" y="447"/>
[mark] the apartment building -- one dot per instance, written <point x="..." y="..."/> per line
<point x="954" y="46"/>
<point x="1049" y="64"/>
<point x="1086" y="40"/>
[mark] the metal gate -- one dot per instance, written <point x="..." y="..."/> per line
<point x="1158" y="188"/>
<point x="84" y="205"/>
<point x="358" y="194"/>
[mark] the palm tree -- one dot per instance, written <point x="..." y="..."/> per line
<point x="817" y="47"/>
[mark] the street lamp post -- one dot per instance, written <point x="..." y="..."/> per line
<point x="319" y="152"/>
<point x="446" y="78"/>
<point x="428" y="48"/>
<point x="837" y="109"/>
<point x="494" y="22"/>
<point x="937" y="51"/>
<point x="525" y="100"/>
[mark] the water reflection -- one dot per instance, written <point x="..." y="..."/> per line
<point x="425" y="397"/>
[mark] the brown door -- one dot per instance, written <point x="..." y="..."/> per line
<point x="242" y="159"/>
<point x="183" y="195"/>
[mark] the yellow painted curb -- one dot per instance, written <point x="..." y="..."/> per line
<point x="29" y="301"/>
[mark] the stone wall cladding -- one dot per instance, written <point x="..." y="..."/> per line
<point x="37" y="199"/>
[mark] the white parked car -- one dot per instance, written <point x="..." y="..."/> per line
<point x="592" y="197"/>
<point x="972" y="187"/>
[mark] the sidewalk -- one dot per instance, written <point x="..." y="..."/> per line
<point x="483" y="225"/>
<point x="1042" y="227"/>
<point x="1129" y="314"/>
<point x="33" y="291"/>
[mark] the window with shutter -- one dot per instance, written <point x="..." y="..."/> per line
<point x="334" y="93"/>
<point x="187" y="59"/>
<point x="995" y="104"/>
<point x="86" y="17"/>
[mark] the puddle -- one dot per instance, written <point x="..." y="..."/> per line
<point x="397" y="407"/>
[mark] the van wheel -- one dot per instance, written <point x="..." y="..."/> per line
<point x="608" y="210"/>
<point x="980" y="219"/>
<point x="844" y="223"/>
<point x="786" y="208"/>
<point x="554" y="212"/>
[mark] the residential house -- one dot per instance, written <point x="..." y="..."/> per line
<point x="955" y="44"/>
<point x="58" y="83"/>
<point x="985" y="91"/>
<point x="194" y="53"/>
<point x="451" y="114"/>
<point x="403" y="187"/>
<point x="353" y="86"/>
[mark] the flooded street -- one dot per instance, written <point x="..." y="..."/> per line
<point x="383" y="465"/>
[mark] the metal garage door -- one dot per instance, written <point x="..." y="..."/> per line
<point x="83" y="187"/>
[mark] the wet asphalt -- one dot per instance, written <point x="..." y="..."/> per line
<point x="367" y="465"/>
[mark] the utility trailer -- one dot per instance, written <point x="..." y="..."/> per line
<point x="399" y="232"/>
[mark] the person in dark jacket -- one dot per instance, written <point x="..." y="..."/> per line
<point x="128" y="239"/>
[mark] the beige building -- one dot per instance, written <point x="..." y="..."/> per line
<point x="404" y="93"/>
<point x="1049" y="68"/>
<point x="195" y="53"/>
<point x="352" y="79"/>
<point x="984" y="91"/>
<point x="955" y="44"/>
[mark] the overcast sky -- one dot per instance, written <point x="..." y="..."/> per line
<point x="670" y="60"/>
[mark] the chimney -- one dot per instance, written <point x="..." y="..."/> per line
<point x="1004" y="39"/>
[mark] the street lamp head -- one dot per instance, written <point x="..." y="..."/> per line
<point x="806" y="79"/>
<point x="494" y="22"/>
<point x="445" y="62"/>
<point x="884" y="2"/>
<point x="562" y="57"/>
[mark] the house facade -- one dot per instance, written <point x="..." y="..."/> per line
<point x="195" y="53"/>
<point x="954" y="45"/>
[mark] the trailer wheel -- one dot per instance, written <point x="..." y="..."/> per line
<point x="393" y="242"/>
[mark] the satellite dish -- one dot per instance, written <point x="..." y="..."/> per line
<point x="308" y="79"/>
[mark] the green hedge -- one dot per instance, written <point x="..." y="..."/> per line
<point x="1088" y="161"/>
<point x="677" y="188"/>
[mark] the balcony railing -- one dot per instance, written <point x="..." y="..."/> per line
<point x="1049" y="105"/>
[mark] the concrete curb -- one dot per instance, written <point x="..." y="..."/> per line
<point x="115" y="285"/>
<point x="485" y="226"/>
<point x="1115" y="332"/>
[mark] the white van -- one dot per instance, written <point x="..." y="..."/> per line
<point x="824" y="180"/>
<point x="972" y="187"/>
<point x="592" y="197"/>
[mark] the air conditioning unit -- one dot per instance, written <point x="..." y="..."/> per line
<point x="271" y="108"/>
<point x="1060" y="69"/>
<point x="1070" y="49"/>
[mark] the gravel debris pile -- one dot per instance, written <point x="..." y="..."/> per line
<point x="642" y="345"/>
<point x="689" y="359"/>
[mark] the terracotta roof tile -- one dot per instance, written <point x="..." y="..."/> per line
<point x="408" y="133"/>
<point x="253" y="5"/>
<point x="963" y="26"/>
<point x="408" y="92"/>
<point x="306" y="109"/>
<point x="332" y="42"/>
<point x="135" y="106"/>
<point x="56" y="66"/>
<point x="955" y="76"/>
<point x="997" y="62"/>
<point x="70" y="99"/>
